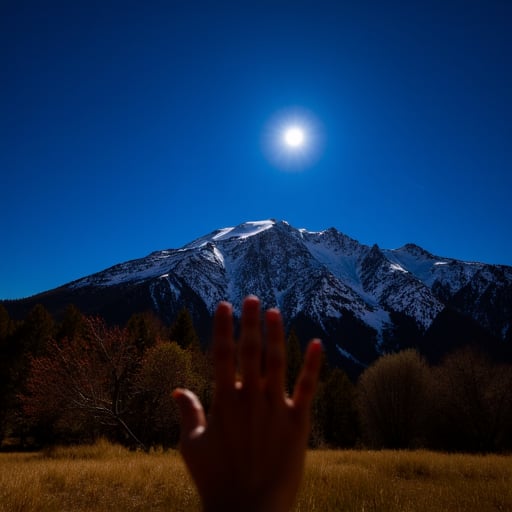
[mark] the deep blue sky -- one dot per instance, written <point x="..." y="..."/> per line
<point x="133" y="126"/>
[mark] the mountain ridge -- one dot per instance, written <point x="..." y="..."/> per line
<point x="360" y="297"/>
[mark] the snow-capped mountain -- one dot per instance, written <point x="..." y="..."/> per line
<point x="362" y="299"/>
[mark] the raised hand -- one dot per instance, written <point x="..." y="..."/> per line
<point x="249" y="454"/>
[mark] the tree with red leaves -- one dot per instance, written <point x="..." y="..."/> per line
<point x="84" y="379"/>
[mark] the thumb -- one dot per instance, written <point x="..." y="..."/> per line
<point x="193" y="421"/>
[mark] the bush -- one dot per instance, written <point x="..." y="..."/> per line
<point x="393" y="400"/>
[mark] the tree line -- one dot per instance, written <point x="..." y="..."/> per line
<point x="78" y="379"/>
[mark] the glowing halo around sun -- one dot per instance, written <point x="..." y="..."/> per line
<point x="292" y="140"/>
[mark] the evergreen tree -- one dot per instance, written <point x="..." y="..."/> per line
<point x="182" y="331"/>
<point x="72" y="323"/>
<point x="6" y="324"/>
<point x="35" y="331"/>
<point x="336" y="409"/>
<point x="144" y="329"/>
<point x="6" y="328"/>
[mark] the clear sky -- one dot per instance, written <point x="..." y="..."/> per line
<point x="133" y="126"/>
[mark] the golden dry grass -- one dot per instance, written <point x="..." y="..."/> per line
<point x="101" y="478"/>
<point x="105" y="478"/>
<point x="418" y="481"/>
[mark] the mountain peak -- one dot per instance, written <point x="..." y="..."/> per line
<point x="242" y="231"/>
<point x="416" y="250"/>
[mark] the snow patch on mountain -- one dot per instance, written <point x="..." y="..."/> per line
<point x="142" y="269"/>
<point x="432" y="270"/>
<point x="242" y="231"/>
<point x="350" y="357"/>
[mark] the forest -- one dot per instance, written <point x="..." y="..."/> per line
<point x="77" y="380"/>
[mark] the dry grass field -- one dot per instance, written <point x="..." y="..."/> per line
<point x="420" y="481"/>
<point x="106" y="478"/>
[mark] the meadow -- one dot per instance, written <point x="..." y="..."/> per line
<point x="109" y="478"/>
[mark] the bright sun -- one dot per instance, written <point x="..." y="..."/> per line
<point x="293" y="139"/>
<point x="294" y="136"/>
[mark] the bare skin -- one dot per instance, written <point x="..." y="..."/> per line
<point x="249" y="454"/>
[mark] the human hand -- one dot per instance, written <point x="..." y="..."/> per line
<point x="249" y="455"/>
